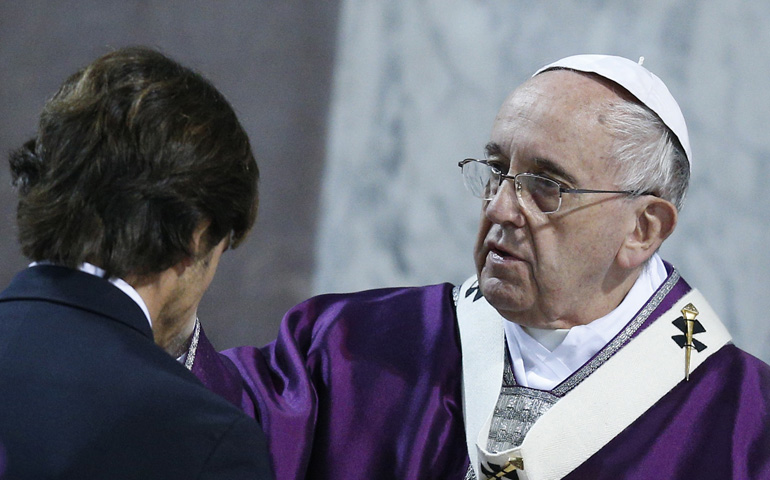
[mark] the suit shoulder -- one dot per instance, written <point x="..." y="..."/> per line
<point x="241" y="452"/>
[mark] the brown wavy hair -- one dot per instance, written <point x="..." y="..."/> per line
<point x="131" y="155"/>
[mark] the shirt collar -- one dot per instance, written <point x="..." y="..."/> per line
<point x="118" y="282"/>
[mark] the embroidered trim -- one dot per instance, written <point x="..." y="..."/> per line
<point x="470" y="474"/>
<point x="188" y="363"/>
<point x="621" y="339"/>
<point x="516" y="410"/>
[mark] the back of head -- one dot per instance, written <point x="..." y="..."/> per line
<point x="132" y="154"/>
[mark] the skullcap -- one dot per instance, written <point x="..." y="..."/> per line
<point x="640" y="82"/>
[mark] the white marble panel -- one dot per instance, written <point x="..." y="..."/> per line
<point x="417" y="85"/>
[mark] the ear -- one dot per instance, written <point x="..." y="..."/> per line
<point x="654" y="220"/>
<point x="197" y="244"/>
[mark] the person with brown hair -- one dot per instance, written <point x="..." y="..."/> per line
<point x="139" y="177"/>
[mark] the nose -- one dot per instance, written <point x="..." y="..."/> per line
<point x="505" y="206"/>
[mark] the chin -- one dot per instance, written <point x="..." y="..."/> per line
<point x="503" y="294"/>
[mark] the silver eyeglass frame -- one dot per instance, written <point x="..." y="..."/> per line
<point x="518" y="185"/>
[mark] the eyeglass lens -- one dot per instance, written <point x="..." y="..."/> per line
<point x="539" y="192"/>
<point x="532" y="190"/>
<point x="478" y="178"/>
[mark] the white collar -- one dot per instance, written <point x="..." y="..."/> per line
<point x="536" y="366"/>
<point x="118" y="282"/>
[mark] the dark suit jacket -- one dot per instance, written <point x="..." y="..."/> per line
<point x="86" y="394"/>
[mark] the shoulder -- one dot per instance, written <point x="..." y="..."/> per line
<point x="732" y="359"/>
<point x="193" y="420"/>
<point x="734" y="395"/>
<point x="118" y="391"/>
<point x="737" y="383"/>
<point x="239" y="453"/>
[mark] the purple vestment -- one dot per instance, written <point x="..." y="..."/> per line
<point x="368" y="385"/>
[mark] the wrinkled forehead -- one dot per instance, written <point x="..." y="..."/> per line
<point x="557" y="118"/>
<point x="645" y="87"/>
<point x="562" y="97"/>
<point x="575" y="87"/>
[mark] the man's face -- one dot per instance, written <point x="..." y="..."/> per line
<point x="556" y="270"/>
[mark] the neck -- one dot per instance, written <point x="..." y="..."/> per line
<point x="617" y="288"/>
<point x="174" y="337"/>
<point x="152" y="289"/>
<point x="171" y="327"/>
<point x="585" y="308"/>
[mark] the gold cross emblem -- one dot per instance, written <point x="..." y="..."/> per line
<point x="688" y="325"/>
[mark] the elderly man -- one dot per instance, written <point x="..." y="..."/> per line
<point x="574" y="352"/>
<point x="138" y="179"/>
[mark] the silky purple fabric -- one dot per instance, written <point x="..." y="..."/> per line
<point x="368" y="385"/>
<point x="715" y="426"/>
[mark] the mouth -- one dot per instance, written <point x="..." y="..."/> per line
<point x="500" y="253"/>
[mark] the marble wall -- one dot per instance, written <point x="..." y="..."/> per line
<point x="417" y="84"/>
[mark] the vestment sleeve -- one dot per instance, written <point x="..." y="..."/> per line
<point x="280" y="398"/>
<point x="364" y="385"/>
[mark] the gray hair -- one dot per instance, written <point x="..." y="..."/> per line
<point x="650" y="157"/>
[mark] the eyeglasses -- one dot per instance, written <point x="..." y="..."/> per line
<point x="532" y="190"/>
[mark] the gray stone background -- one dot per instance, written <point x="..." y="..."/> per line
<point x="359" y="111"/>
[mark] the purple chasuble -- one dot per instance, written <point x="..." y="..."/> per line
<point x="368" y="385"/>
